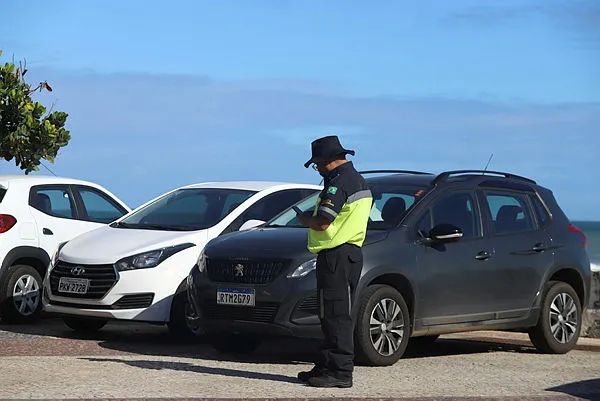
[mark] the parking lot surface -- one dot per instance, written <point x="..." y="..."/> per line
<point x="138" y="361"/>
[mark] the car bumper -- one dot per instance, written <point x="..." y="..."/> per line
<point x="141" y="295"/>
<point x="285" y="307"/>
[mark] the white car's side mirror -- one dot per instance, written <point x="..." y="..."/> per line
<point x="251" y="224"/>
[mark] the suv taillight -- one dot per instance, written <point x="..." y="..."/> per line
<point x="6" y="222"/>
<point x="574" y="229"/>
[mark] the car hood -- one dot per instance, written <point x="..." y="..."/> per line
<point x="107" y="245"/>
<point x="264" y="242"/>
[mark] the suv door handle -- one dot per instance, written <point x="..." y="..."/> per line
<point x="539" y="247"/>
<point x="47" y="231"/>
<point x="483" y="255"/>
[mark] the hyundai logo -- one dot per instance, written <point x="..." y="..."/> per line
<point x="239" y="270"/>
<point x="77" y="271"/>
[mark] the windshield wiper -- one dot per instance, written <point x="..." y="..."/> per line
<point x="162" y="227"/>
<point x="122" y="224"/>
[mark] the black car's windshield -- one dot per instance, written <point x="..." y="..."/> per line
<point x="390" y="204"/>
<point x="186" y="209"/>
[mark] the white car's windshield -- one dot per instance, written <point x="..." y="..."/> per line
<point x="186" y="209"/>
<point x="390" y="204"/>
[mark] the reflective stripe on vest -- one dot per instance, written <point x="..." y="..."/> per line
<point x="349" y="226"/>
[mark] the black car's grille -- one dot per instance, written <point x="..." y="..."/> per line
<point x="263" y="312"/>
<point x="134" y="301"/>
<point x="244" y="271"/>
<point x="102" y="278"/>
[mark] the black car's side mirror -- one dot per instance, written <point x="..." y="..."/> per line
<point x="445" y="232"/>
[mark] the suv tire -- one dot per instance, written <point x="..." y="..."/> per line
<point x="21" y="295"/>
<point x="84" y="325"/>
<point x="384" y="347"/>
<point x="561" y="310"/>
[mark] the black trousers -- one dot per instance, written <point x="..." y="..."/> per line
<point x="338" y="271"/>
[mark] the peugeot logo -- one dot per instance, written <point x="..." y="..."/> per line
<point x="239" y="270"/>
<point x="77" y="271"/>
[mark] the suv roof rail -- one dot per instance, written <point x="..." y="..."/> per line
<point x="394" y="171"/>
<point x="445" y="175"/>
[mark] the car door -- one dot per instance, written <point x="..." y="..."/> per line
<point x="520" y="250"/>
<point x="453" y="276"/>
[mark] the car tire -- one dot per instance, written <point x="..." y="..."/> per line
<point x="183" y="324"/>
<point x="231" y="343"/>
<point x="84" y="325"/>
<point x="21" y="295"/>
<point x="560" y="318"/>
<point x="381" y="348"/>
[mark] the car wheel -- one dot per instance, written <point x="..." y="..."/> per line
<point x="230" y="343"/>
<point x="559" y="323"/>
<point x="21" y="295"/>
<point x="184" y="323"/>
<point x="84" y="325"/>
<point x="383" y="326"/>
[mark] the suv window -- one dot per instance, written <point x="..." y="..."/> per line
<point x="55" y="201"/>
<point x="390" y="205"/>
<point x="2" y="193"/>
<point x="540" y="211"/>
<point x="460" y="210"/>
<point x="99" y="207"/>
<point x="510" y="212"/>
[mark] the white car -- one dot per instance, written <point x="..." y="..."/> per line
<point x="136" y="268"/>
<point x="37" y="213"/>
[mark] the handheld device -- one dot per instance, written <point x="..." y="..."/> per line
<point x="297" y="209"/>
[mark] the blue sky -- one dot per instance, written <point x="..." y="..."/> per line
<point x="163" y="94"/>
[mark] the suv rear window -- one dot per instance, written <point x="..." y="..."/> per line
<point x="540" y="210"/>
<point x="2" y="193"/>
<point x="510" y="212"/>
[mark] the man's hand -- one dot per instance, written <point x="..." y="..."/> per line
<point x="317" y="223"/>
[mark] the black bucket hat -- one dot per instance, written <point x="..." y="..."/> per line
<point x="325" y="149"/>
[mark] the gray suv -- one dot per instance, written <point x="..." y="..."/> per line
<point x="458" y="251"/>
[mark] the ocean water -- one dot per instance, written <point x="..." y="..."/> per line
<point x="592" y="232"/>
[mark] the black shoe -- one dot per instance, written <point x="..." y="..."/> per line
<point x="329" y="381"/>
<point x="314" y="372"/>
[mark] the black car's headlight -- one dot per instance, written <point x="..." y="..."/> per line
<point x="149" y="259"/>
<point x="303" y="269"/>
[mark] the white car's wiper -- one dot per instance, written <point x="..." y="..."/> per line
<point x="122" y="224"/>
<point x="162" y="227"/>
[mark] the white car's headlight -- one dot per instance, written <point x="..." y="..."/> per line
<point x="303" y="269"/>
<point x="149" y="259"/>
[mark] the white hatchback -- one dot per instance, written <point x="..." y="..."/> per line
<point x="136" y="268"/>
<point x="37" y="213"/>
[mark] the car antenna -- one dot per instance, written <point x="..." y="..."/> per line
<point x="488" y="163"/>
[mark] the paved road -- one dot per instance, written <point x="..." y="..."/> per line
<point x="47" y="361"/>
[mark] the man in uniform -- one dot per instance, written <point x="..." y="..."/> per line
<point x="337" y="229"/>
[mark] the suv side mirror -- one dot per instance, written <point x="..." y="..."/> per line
<point x="445" y="232"/>
<point x="251" y="224"/>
